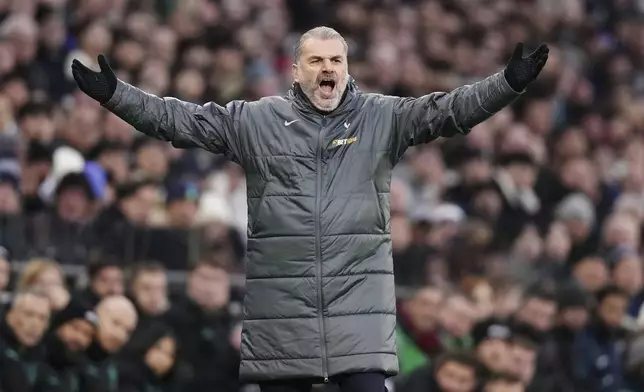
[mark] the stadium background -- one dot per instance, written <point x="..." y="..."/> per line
<point x="545" y="197"/>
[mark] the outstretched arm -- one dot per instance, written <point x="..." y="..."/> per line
<point x="423" y="119"/>
<point x="184" y="124"/>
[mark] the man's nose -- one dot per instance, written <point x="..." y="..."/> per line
<point x="327" y="66"/>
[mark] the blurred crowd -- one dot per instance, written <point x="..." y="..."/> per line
<point x="517" y="249"/>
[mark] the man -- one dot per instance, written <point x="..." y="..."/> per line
<point x="205" y="328"/>
<point x="22" y="356"/>
<point x="524" y="355"/>
<point x="71" y="332"/>
<point x="117" y="319"/>
<point x="492" y="345"/>
<point x="457" y="318"/>
<point x="318" y="163"/>
<point x="149" y="292"/>
<point x="416" y="333"/>
<point x="452" y="372"/>
<point x="105" y="279"/>
<point x="598" y="362"/>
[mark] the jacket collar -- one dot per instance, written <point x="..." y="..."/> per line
<point x="303" y="104"/>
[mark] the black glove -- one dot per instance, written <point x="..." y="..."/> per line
<point x="520" y="70"/>
<point x="98" y="85"/>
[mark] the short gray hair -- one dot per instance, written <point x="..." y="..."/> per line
<point x="322" y="33"/>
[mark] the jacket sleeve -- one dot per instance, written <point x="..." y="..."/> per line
<point x="421" y="120"/>
<point x="186" y="125"/>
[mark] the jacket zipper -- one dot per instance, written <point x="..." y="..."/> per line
<point x="318" y="248"/>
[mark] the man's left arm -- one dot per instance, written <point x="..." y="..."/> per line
<point x="421" y="120"/>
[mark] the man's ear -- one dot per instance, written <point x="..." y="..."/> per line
<point x="295" y="73"/>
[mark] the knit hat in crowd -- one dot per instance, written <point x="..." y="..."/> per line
<point x="576" y="207"/>
<point x="491" y="328"/>
<point x="75" y="309"/>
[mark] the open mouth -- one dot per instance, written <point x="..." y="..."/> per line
<point x="327" y="86"/>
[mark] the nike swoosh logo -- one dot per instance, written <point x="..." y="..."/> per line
<point x="347" y="125"/>
<point x="287" y="123"/>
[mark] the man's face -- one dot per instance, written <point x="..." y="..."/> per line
<point x="209" y="287"/>
<point x="115" y="329"/>
<point x="77" y="334"/>
<point x="109" y="281"/>
<point x="574" y="318"/>
<point x="524" y="175"/>
<point x="458" y="316"/>
<point x="160" y="357"/>
<point x="456" y="377"/>
<point x="73" y="205"/>
<point x="495" y="354"/>
<point x="322" y="72"/>
<point x="424" y="307"/>
<point x="524" y="362"/>
<point x="628" y="275"/>
<point x="29" y="319"/>
<point x="150" y="291"/>
<point x="612" y="310"/>
<point x="539" y="313"/>
<point x="591" y="273"/>
<point x="5" y="273"/>
<point x="181" y="213"/>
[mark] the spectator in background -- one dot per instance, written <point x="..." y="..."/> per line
<point x="105" y="279"/>
<point x="598" y="361"/>
<point x="504" y="383"/>
<point x="5" y="276"/>
<point x="23" y="365"/>
<point x="47" y="276"/>
<point x="457" y="317"/>
<point x="452" y="372"/>
<point x="117" y="320"/>
<point x="70" y="334"/>
<point x="153" y="363"/>
<point x="206" y="330"/>
<point x="492" y="346"/>
<point x="525" y="351"/>
<point x="591" y="273"/>
<point x="417" y="328"/>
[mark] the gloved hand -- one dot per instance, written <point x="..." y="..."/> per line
<point x="98" y="85"/>
<point x="521" y="71"/>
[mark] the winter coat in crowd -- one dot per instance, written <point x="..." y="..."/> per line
<point x="319" y="244"/>
<point x="24" y="369"/>
<point x="100" y="373"/>
<point x="205" y="342"/>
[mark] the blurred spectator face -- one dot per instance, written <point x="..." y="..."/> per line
<point x="621" y="229"/>
<point x="488" y="204"/>
<point x="74" y="205"/>
<point x="116" y="163"/>
<point x="591" y="273"/>
<point x="190" y="85"/>
<point x="627" y="275"/>
<point x="38" y="126"/>
<point x="523" y="175"/>
<point x="572" y="144"/>
<point x="154" y="78"/>
<point x="83" y="129"/>
<point x="401" y="233"/>
<point x="23" y="35"/>
<point x="129" y="54"/>
<point x="399" y="197"/>
<point x="575" y="318"/>
<point x="153" y="160"/>
<point x="458" y="316"/>
<point x="117" y="320"/>
<point x="77" y="334"/>
<point x="16" y="90"/>
<point x="524" y="361"/>
<point x="138" y="207"/>
<point x="150" y="291"/>
<point x="160" y="357"/>
<point x="558" y="242"/>
<point x="612" y="310"/>
<point x="322" y="72"/>
<point x="29" y="318"/>
<point x="5" y="273"/>
<point x="163" y="44"/>
<point x="538" y="313"/>
<point x="506" y="302"/>
<point x="456" y="377"/>
<point x="495" y="354"/>
<point x="476" y="171"/>
<point x="7" y="58"/>
<point x="96" y="38"/>
<point x="117" y="130"/>
<point x="209" y="287"/>
<point x="182" y="213"/>
<point x="539" y="116"/>
<point x="424" y="308"/>
<point x="9" y="199"/>
<point x="53" y="32"/>
<point x="580" y="174"/>
<point x="108" y="282"/>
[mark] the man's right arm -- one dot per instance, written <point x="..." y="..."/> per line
<point x="184" y="124"/>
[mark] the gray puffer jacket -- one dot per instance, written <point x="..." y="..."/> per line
<point x="320" y="295"/>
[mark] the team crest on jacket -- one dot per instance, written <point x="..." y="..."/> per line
<point x="343" y="142"/>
